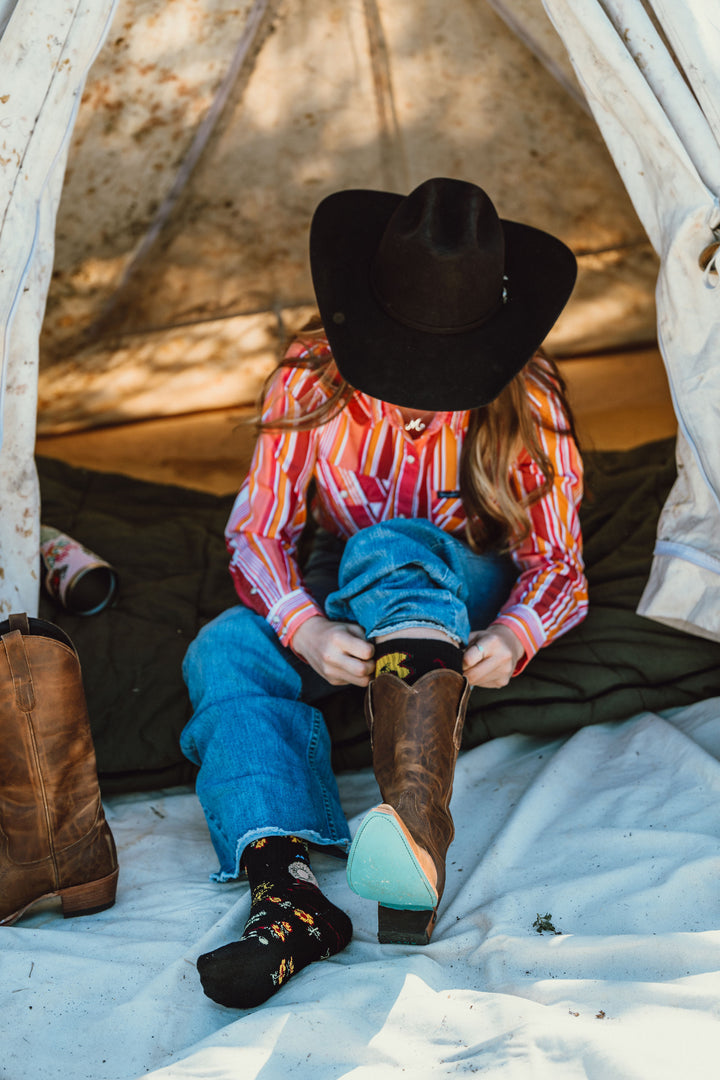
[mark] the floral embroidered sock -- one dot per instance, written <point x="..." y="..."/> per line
<point x="291" y="924"/>
<point x="409" y="658"/>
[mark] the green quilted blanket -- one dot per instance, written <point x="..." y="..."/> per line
<point x="167" y="546"/>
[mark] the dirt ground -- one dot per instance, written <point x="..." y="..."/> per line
<point x="620" y="400"/>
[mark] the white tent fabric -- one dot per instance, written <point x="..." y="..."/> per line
<point x="613" y="836"/>
<point x="655" y="97"/>
<point x="46" y="50"/>
<point x="649" y="71"/>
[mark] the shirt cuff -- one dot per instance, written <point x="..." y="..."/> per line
<point x="526" y="626"/>
<point x="289" y="613"/>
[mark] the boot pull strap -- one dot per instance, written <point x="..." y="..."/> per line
<point x="20" y="670"/>
<point x="19" y="621"/>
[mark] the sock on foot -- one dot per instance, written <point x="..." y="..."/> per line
<point x="410" y="658"/>
<point x="291" y="924"/>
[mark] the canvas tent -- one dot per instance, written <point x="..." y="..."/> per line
<point x="609" y="837"/>
<point x="43" y="72"/>
<point x="169" y="292"/>
<point x="150" y="294"/>
<point x="656" y="94"/>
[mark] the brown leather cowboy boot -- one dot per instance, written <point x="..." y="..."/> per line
<point x="54" y="840"/>
<point x="398" y="854"/>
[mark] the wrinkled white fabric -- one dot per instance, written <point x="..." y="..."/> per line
<point x="46" y="50"/>
<point x="656" y="99"/>
<point x="614" y="835"/>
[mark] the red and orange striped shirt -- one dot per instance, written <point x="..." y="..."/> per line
<point x="368" y="469"/>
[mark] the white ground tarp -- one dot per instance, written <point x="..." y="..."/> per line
<point x="46" y="50"/>
<point x="650" y="73"/>
<point x="613" y="835"/>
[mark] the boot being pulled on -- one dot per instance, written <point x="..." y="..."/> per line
<point x="399" y="852"/>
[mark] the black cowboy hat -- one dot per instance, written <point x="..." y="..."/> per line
<point x="430" y="301"/>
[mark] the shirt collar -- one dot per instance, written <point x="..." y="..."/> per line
<point x="363" y="408"/>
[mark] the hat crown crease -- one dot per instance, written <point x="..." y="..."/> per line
<point x="440" y="262"/>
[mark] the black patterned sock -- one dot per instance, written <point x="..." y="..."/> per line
<point x="291" y="924"/>
<point x="409" y="658"/>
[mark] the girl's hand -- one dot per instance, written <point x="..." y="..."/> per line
<point x="338" y="651"/>
<point x="492" y="656"/>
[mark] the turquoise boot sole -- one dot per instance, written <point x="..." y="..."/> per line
<point x="385" y="865"/>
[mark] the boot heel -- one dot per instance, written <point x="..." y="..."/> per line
<point x="405" y="927"/>
<point x="89" y="898"/>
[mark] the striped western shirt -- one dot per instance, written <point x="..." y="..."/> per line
<point x="367" y="469"/>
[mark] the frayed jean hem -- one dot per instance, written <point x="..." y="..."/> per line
<point x="310" y="835"/>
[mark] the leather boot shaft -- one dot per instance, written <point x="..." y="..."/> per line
<point x="415" y="732"/>
<point x="53" y="833"/>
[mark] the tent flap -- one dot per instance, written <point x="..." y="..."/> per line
<point x="45" y="54"/>
<point x="649" y="73"/>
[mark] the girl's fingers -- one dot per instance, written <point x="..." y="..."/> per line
<point x="344" y="668"/>
<point x="487" y="665"/>
<point x="359" y="645"/>
<point x="474" y="655"/>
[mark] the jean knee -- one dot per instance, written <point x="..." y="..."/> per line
<point x="230" y="639"/>
<point x="366" y="539"/>
<point x="395" y="540"/>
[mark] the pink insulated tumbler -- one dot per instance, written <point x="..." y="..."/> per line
<point x="78" y="578"/>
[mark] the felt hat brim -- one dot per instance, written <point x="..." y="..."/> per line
<point x="412" y="368"/>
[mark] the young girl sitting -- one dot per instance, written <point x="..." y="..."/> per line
<point x="447" y="551"/>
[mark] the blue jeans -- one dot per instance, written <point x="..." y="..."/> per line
<point x="257" y="732"/>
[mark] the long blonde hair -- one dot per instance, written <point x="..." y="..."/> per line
<point x="497" y="434"/>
